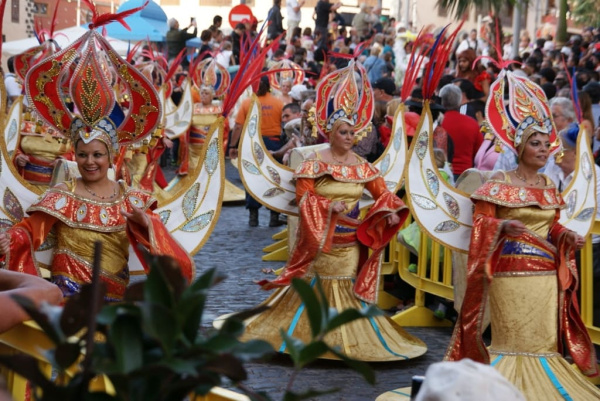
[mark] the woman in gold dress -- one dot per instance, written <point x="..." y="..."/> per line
<point x="522" y="259"/>
<point x="93" y="207"/>
<point x="333" y="241"/>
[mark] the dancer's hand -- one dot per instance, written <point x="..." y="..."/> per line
<point x="338" y="206"/>
<point x="4" y="243"/>
<point x="514" y="228"/>
<point x="21" y="160"/>
<point x="137" y="215"/>
<point x="575" y="240"/>
<point x="393" y="219"/>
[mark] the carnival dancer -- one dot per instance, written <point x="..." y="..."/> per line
<point x="523" y="260"/>
<point x="93" y="207"/>
<point x="210" y="80"/>
<point x="520" y="258"/>
<point x="39" y="146"/>
<point x="332" y="240"/>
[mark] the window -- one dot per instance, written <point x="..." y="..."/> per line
<point x="14" y="11"/>
<point x="39" y="8"/>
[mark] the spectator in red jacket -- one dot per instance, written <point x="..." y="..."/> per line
<point x="463" y="130"/>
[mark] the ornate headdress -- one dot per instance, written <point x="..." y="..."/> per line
<point x="517" y="108"/>
<point x="86" y="71"/>
<point x="285" y="70"/>
<point x="209" y="73"/>
<point x="341" y="98"/>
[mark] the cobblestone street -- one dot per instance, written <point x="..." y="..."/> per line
<point x="236" y="249"/>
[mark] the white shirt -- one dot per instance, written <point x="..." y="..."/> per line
<point x="291" y="14"/>
<point x="11" y="85"/>
<point x="223" y="58"/>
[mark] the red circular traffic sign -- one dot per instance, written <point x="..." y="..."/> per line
<point x="238" y="14"/>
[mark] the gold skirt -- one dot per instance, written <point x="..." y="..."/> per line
<point x="524" y="315"/>
<point x="376" y="339"/>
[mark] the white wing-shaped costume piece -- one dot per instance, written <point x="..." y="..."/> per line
<point x="267" y="181"/>
<point x="443" y="211"/>
<point x="179" y="118"/>
<point x="13" y="125"/>
<point x="191" y="216"/>
<point x="272" y="184"/>
<point x="580" y="194"/>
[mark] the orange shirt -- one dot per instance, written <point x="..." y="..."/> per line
<point x="270" y="120"/>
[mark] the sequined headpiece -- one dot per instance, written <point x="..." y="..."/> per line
<point x="339" y="98"/>
<point x="208" y="73"/>
<point x="285" y="70"/>
<point x="517" y="108"/>
<point x="87" y="71"/>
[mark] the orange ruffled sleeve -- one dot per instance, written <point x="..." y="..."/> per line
<point x="25" y="238"/>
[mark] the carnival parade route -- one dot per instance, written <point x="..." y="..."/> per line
<point x="236" y="249"/>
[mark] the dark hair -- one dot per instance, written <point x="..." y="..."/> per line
<point x="217" y="19"/>
<point x="263" y="87"/>
<point x="307" y="31"/>
<point x="548" y="73"/>
<point x="10" y="63"/>
<point x="293" y="107"/>
<point x="205" y="35"/>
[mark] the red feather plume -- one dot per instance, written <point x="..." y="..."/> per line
<point x="99" y="20"/>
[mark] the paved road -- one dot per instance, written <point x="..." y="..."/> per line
<point x="236" y="249"/>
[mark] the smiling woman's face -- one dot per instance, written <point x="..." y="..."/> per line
<point x="536" y="151"/>
<point x="93" y="160"/>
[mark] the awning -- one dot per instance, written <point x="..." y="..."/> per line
<point x="149" y="23"/>
<point x="63" y="37"/>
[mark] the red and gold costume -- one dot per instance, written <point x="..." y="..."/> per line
<point x="335" y="247"/>
<point x="78" y="223"/>
<point x="531" y="282"/>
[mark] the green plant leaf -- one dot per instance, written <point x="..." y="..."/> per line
<point x="312" y="305"/>
<point x="160" y="323"/>
<point x="311" y="352"/>
<point x="227" y="365"/>
<point x="181" y="366"/>
<point x="98" y="396"/>
<point x="292" y="345"/>
<point x="26" y="366"/>
<point x="66" y="354"/>
<point x="350" y="315"/>
<point x="360" y="367"/>
<point x="248" y="313"/>
<point x="77" y="309"/>
<point x="232" y="327"/>
<point x="125" y="335"/>
<point x="253" y="349"/>
<point x="156" y="288"/>
<point x="46" y="316"/>
<point x="207" y="280"/>
<point x="109" y="313"/>
<point x="189" y="312"/>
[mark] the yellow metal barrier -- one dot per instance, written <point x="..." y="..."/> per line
<point x="278" y="251"/>
<point x="427" y="279"/>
